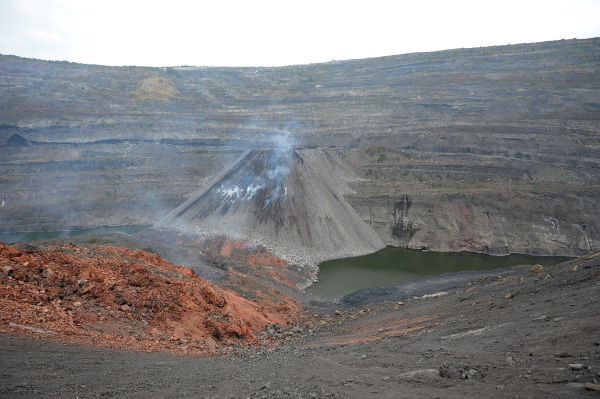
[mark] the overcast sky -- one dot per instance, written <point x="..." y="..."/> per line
<point x="274" y="33"/>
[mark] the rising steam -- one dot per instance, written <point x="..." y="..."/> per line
<point x="267" y="185"/>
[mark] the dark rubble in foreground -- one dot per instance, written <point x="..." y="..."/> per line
<point x="523" y="334"/>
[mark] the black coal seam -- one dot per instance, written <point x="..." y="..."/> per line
<point x="189" y="142"/>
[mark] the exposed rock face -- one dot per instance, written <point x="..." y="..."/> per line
<point x="126" y="146"/>
<point x="498" y="223"/>
<point x="292" y="202"/>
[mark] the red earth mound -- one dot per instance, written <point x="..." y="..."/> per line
<point x="115" y="297"/>
<point x="258" y="261"/>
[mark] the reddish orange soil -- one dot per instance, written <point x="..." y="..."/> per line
<point x="260" y="261"/>
<point x="230" y="245"/>
<point x="114" y="297"/>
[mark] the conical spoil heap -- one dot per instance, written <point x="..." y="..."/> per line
<point x="292" y="202"/>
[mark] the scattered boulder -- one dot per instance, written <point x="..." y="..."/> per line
<point x="469" y="374"/>
<point x="418" y="374"/>
<point x="510" y="361"/>
<point x="536" y="268"/>
<point x="47" y="273"/>
<point x="455" y="371"/>
<point x="592" y="387"/>
<point x="452" y="371"/>
<point x="210" y="344"/>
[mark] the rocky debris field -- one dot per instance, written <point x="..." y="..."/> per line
<point x="114" y="297"/>
<point x="530" y="332"/>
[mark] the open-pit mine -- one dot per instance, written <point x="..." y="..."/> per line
<point x="242" y="181"/>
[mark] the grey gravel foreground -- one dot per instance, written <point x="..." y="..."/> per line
<point x="522" y="335"/>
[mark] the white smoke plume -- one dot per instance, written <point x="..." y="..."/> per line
<point x="272" y="177"/>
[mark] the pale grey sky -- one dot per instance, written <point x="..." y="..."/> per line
<point x="274" y="33"/>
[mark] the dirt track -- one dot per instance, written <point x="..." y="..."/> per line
<point x="520" y="346"/>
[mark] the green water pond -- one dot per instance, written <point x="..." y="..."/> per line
<point x="394" y="265"/>
<point x="51" y="235"/>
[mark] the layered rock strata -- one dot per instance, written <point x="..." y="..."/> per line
<point x="492" y="222"/>
<point x="84" y="146"/>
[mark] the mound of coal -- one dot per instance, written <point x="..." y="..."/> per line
<point x="119" y="298"/>
<point x="16" y="140"/>
<point x="292" y="202"/>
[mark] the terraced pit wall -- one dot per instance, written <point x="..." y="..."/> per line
<point x="84" y="146"/>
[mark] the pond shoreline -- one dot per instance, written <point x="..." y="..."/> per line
<point x="425" y="286"/>
<point x="393" y="265"/>
<point x="315" y="288"/>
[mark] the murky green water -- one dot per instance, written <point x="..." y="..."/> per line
<point x="26" y="237"/>
<point x="394" y="265"/>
